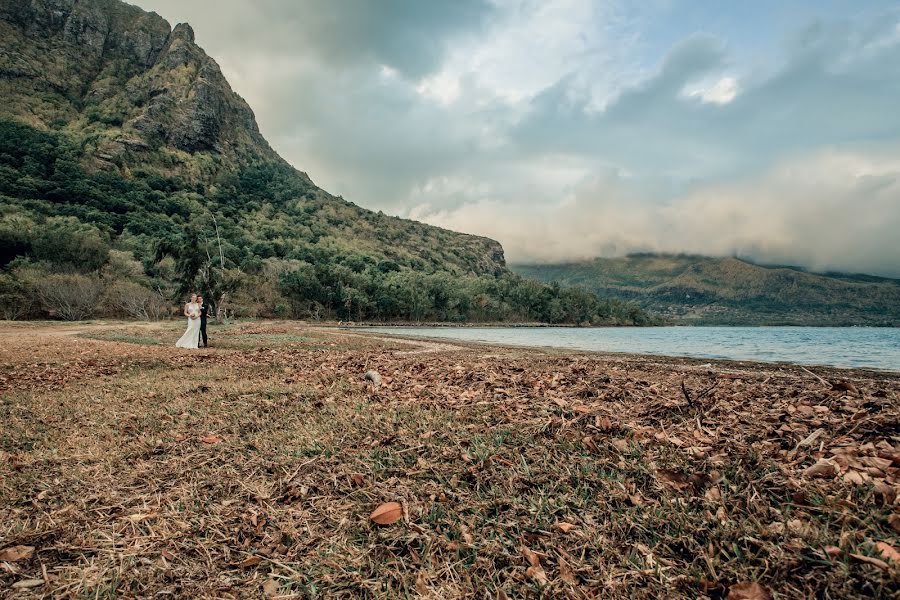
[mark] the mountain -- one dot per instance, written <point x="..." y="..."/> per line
<point x="704" y="290"/>
<point x="130" y="170"/>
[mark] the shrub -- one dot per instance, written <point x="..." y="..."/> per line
<point x="66" y="242"/>
<point x="16" y="297"/>
<point x="70" y="297"/>
<point x="139" y="302"/>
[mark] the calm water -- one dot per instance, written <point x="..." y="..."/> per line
<point x="877" y="348"/>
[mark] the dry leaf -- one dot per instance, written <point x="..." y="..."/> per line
<point x="823" y="468"/>
<point x="674" y="479"/>
<point x="565" y="572"/>
<point x="872" y="561"/>
<point x="466" y="535"/>
<point x="620" y="444"/>
<point x="251" y="561"/>
<point x="538" y="574"/>
<point x="888" y="552"/>
<point x="211" y="439"/>
<point x="138" y="517"/>
<point x="853" y="477"/>
<point x="387" y="513"/>
<point x="14" y="553"/>
<point x="28" y="584"/>
<point x="748" y="590"/>
<point x="421" y="584"/>
<point x="533" y="559"/>
<point x="270" y="587"/>
<point x="180" y="437"/>
<point x="565" y="527"/>
<point x="894" y="522"/>
<point x="833" y="551"/>
<point x="501" y="595"/>
<point x="844" y="386"/>
<point x="358" y="479"/>
<point x="884" y="494"/>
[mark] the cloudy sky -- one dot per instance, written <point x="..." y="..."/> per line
<point x="575" y="128"/>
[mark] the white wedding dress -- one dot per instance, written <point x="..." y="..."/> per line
<point x="191" y="337"/>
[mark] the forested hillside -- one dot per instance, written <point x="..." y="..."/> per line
<point x="704" y="290"/>
<point x="131" y="174"/>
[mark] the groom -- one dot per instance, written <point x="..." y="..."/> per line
<point x="204" y="312"/>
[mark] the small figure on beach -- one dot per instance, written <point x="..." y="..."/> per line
<point x="191" y="337"/>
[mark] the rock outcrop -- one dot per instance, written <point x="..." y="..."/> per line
<point x="106" y="61"/>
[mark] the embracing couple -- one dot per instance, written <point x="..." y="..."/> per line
<point x="196" y="311"/>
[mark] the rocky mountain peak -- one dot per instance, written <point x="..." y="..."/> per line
<point x="183" y="31"/>
<point x="135" y="87"/>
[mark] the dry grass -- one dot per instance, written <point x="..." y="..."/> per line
<point x="250" y="469"/>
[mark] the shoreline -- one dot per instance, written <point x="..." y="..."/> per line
<point x="635" y="355"/>
<point x="661" y="359"/>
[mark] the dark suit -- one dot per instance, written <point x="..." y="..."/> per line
<point x="204" y="312"/>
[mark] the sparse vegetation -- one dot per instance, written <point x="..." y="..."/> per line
<point x="252" y="469"/>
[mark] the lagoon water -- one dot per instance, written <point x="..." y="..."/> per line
<point x="877" y="348"/>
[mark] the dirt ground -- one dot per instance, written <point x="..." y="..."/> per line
<point x="129" y="468"/>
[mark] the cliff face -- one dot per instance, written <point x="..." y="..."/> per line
<point x="108" y="68"/>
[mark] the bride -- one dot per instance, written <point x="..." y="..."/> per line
<point x="191" y="337"/>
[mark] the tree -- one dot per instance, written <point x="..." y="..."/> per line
<point x="16" y="297"/>
<point x="72" y="297"/>
<point x="139" y="302"/>
<point x="70" y="244"/>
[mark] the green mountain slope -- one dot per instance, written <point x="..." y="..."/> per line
<point x="130" y="170"/>
<point x="704" y="290"/>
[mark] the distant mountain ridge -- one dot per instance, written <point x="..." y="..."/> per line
<point x="693" y="289"/>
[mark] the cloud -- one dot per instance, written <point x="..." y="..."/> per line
<point x="533" y="114"/>
<point x="832" y="210"/>
<point x="409" y="36"/>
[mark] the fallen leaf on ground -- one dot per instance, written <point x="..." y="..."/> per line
<point x="270" y="587"/>
<point x="565" y="572"/>
<point x="872" y="561"/>
<point x="387" y="513"/>
<point x="565" y="527"/>
<point x="533" y="559"/>
<point x="358" y="479"/>
<point x="843" y="386"/>
<point x="211" y="439"/>
<point x="28" y="584"/>
<point x="822" y="468"/>
<point x="138" y="517"/>
<point x="674" y="479"/>
<point x="14" y="553"/>
<point x="888" y="552"/>
<point x="748" y="590"/>
<point x="251" y="561"/>
<point x="894" y="522"/>
<point x="421" y="584"/>
<point x="620" y="444"/>
<point x="538" y="574"/>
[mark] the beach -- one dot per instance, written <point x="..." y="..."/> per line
<point x="131" y="468"/>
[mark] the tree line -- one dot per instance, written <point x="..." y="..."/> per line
<point x="262" y="241"/>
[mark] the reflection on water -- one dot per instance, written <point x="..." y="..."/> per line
<point x="871" y="347"/>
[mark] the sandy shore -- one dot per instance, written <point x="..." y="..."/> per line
<point x="133" y="469"/>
